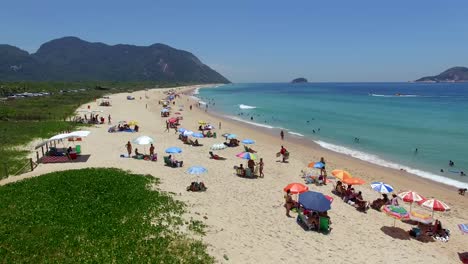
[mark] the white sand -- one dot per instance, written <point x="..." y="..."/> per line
<point x="245" y="217"/>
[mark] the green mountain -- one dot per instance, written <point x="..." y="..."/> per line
<point x="73" y="59"/>
<point x="455" y="74"/>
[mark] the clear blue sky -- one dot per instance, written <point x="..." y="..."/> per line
<point x="264" y="41"/>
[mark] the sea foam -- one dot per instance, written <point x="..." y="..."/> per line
<point x="243" y="106"/>
<point x="381" y="162"/>
<point x="249" y="122"/>
<point x="295" y="133"/>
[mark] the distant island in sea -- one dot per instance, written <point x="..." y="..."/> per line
<point x="73" y="59"/>
<point x="455" y="74"/>
<point x="299" y="80"/>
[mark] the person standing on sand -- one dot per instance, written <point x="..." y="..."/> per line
<point x="282" y="135"/>
<point x="190" y="107"/>
<point x="167" y="126"/>
<point x="260" y="164"/>
<point x="289" y="202"/>
<point x="151" y="150"/>
<point x="109" y="119"/>
<point x="219" y="124"/>
<point x="129" y="148"/>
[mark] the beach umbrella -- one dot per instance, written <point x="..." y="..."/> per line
<point x="201" y="122"/>
<point x="353" y="181"/>
<point x="410" y="197"/>
<point x="173" y="150"/>
<point x="181" y="130"/>
<point x="316" y="165"/>
<point x="231" y="136"/>
<point x="314" y="201"/>
<point x="164" y="110"/>
<point x="397" y="212"/>
<point x="143" y="140"/>
<point x="247" y="155"/>
<point x="421" y="218"/>
<point x="187" y="133"/>
<point x="198" y="135"/>
<point x="463" y="228"/>
<point x="197" y="170"/>
<point x="210" y="127"/>
<point x="381" y="187"/>
<point x="296" y="188"/>
<point x="132" y="123"/>
<point x="434" y="205"/>
<point x="218" y="146"/>
<point x="173" y="120"/>
<point x="248" y="141"/>
<point x="329" y="198"/>
<point x="341" y="174"/>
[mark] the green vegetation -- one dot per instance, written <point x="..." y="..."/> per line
<point x="94" y="215"/>
<point x="22" y="120"/>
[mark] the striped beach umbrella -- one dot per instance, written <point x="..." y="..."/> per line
<point x="434" y="205"/>
<point x="463" y="228"/>
<point x="381" y="187"/>
<point x="421" y="218"/>
<point x="247" y="155"/>
<point x="397" y="212"/>
<point x="410" y="197"/>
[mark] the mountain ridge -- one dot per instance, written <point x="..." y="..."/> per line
<point x="74" y="59"/>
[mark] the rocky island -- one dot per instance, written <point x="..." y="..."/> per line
<point x="299" y="80"/>
<point x="455" y="74"/>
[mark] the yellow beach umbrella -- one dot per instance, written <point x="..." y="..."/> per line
<point x="132" y="123"/>
<point x="201" y="122"/>
<point x="341" y="174"/>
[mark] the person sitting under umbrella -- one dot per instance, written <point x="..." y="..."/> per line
<point x="251" y="165"/>
<point x="313" y="219"/>
<point x="360" y="203"/>
<point x="137" y="153"/>
<point x="377" y="204"/>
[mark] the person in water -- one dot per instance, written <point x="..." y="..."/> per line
<point x="451" y="163"/>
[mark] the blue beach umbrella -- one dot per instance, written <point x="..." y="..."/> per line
<point x="196" y="170"/>
<point x="198" y="135"/>
<point x="165" y="110"/>
<point x="319" y="165"/>
<point x="381" y="187"/>
<point x="314" y="201"/>
<point x="181" y="130"/>
<point x="231" y="136"/>
<point x="173" y="150"/>
<point x="248" y="141"/>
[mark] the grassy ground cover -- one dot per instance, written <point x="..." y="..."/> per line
<point x="25" y="119"/>
<point x="94" y="215"/>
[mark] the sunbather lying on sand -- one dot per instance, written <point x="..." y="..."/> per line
<point x="377" y="204"/>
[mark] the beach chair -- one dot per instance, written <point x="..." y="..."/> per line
<point x="302" y="221"/>
<point x="78" y="149"/>
<point x="324" y="225"/>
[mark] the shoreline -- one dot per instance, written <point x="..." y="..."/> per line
<point x="301" y="139"/>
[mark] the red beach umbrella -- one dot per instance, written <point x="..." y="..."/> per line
<point x="434" y="205"/>
<point x="410" y="197"/>
<point x="173" y="120"/>
<point x="296" y="188"/>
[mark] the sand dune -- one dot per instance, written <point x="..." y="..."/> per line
<point x="245" y="217"/>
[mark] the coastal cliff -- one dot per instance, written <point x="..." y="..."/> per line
<point x="455" y="74"/>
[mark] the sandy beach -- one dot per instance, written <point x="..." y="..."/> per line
<point x="245" y="217"/>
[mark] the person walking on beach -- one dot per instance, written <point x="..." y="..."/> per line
<point x="129" y="148"/>
<point x="282" y="135"/>
<point x="260" y="164"/>
<point x="289" y="202"/>
<point x="109" y="119"/>
<point x="167" y="126"/>
<point x="190" y="107"/>
<point x="219" y="124"/>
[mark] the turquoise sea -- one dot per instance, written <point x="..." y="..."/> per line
<point x="390" y="120"/>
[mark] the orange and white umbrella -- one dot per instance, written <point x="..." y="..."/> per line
<point x="341" y="174"/>
<point x="296" y="188"/>
<point x="353" y="181"/>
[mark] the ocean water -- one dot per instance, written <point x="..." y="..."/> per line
<point x="391" y="120"/>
